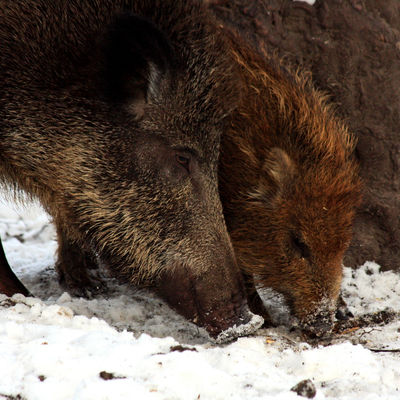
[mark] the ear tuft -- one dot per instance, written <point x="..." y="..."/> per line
<point x="138" y="56"/>
<point x="279" y="166"/>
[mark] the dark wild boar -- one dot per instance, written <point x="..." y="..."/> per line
<point x="289" y="188"/>
<point x="110" y="115"/>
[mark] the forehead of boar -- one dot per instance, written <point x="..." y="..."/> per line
<point x="289" y="187"/>
<point x="176" y="103"/>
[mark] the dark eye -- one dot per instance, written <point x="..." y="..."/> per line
<point x="300" y="246"/>
<point x="183" y="160"/>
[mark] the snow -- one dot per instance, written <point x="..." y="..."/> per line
<point x="127" y="343"/>
<point x="311" y="2"/>
<point x="235" y="331"/>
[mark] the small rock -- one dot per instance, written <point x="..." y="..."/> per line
<point x="181" y="348"/>
<point x="305" y="389"/>
<point x="107" y="376"/>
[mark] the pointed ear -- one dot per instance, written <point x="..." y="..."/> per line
<point x="138" y="57"/>
<point x="280" y="168"/>
<point x="276" y="177"/>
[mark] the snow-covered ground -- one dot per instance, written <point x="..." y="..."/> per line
<point x="128" y="344"/>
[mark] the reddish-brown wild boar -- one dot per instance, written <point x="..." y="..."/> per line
<point x="289" y="188"/>
<point x="110" y="115"/>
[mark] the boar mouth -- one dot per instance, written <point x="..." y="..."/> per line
<point x="320" y="322"/>
<point x="320" y="327"/>
<point x="317" y="322"/>
<point x="222" y="310"/>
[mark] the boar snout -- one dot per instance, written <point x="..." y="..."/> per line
<point x="322" y="326"/>
<point x="320" y="323"/>
<point x="201" y="298"/>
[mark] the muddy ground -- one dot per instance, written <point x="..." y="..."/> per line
<point x="352" y="48"/>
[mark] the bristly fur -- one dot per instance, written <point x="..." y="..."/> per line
<point x="289" y="184"/>
<point x="99" y="100"/>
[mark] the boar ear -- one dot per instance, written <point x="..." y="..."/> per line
<point x="138" y="57"/>
<point x="280" y="168"/>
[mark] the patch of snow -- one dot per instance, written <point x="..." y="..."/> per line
<point x="233" y="332"/>
<point x="127" y="343"/>
<point x="367" y="289"/>
<point x="311" y="2"/>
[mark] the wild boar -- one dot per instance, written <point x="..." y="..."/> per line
<point x="289" y="187"/>
<point x="110" y="115"/>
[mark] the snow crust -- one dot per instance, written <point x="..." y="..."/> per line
<point x="128" y="344"/>
<point x="235" y="331"/>
<point x="311" y="2"/>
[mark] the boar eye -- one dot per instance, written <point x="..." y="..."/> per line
<point x="183" y="160"/>
<point x="300" y="246"/>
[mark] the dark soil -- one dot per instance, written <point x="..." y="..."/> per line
<point x="354" y="328"/>
<point x="352" y="48"/>
<point x="366" y="320"/>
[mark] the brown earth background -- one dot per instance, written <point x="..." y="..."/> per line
<point x="352" y="49"/>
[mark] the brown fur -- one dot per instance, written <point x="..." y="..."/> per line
<point x="114" y="123"/>
<point x="289" y="187"/>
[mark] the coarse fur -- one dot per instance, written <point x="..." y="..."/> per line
<point x="110" y="115"/>
<point x="289" y="187"/>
